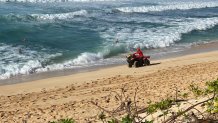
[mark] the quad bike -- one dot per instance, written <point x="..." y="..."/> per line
<point x="137" y="62"/>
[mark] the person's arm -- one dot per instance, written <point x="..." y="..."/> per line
<point x="141" y="54"/>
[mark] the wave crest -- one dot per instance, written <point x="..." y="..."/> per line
<point x="61" y="16"/>
<point x="53" y="1"/>
<point x="159" y="8"/>
<point x="42" y="17"/>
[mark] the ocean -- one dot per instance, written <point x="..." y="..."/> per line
<point x="48" y="35"/>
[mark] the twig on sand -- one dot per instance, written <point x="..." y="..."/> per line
<point x="188" y="109"/>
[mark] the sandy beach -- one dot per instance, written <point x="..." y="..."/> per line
<point x="62" y="59"/>
<point x="69" y="96"/>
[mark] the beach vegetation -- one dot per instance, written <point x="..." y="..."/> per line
<point x="132" y="113"/>
<point x="162" y="105"/>
<point x="128" y="110"/>
<point x="70" y="120"/>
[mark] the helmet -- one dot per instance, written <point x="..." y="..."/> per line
<point x="138" y="49"/>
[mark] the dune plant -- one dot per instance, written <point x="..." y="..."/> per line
<point x="64" y="121"/>
<point x="132" y="111"/>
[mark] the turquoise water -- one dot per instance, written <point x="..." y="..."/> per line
<point x="46" y="35"/>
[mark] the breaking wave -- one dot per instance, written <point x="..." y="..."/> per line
<point x="51" y="1"/>
<point x="156" y="37"/>
<point x="42" y="17"/>
<point x="158" y="8"/>
<point x="18" y="60"/>
<point x="61" y="16"/>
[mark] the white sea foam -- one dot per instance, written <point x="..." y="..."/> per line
<point x="61" y="16"/>
<point x="172" y="6"/>
<point x="83" y="60"/>
<point x="156" y="37"/>
<point x="49" y="17"/>
<point x="18" y="60"/>
<point x="86" y="58"/>
<point x="14" y="62"/>
<point x="51" y="1"/>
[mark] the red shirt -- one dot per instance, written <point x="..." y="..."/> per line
<point x="139" y="53"/>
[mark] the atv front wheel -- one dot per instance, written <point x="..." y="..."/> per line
<point x="146" y="62"/>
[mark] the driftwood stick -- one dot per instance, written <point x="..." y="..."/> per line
<point x="109" y="112"/>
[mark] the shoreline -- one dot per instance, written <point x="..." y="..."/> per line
<point x="194" y="49"/>
<point x="69" y="96"/>
<point x="90" y="75"/>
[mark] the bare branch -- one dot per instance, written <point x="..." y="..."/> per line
<point x="181" y="113"/>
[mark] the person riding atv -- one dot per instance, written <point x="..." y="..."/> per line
<point x="138" y="54"/>
<point x="138" y="59"/>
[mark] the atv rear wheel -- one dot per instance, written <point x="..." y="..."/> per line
<point x="130" y="65"/>
<point x="136" y="64"/>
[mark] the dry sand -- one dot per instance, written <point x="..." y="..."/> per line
<point x="69" y="96"/>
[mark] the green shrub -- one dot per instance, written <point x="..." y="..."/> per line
<point x="162" y="105"/>
<point x="64" y="121"/>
